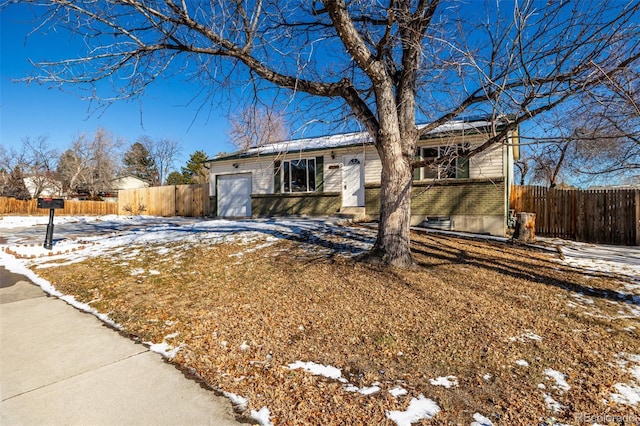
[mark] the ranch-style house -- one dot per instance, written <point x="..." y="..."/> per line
<point x="341" y="174"/>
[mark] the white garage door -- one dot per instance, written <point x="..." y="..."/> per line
<point x="234" y="196"/>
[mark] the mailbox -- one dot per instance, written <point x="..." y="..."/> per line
<point x="50" y="203"/>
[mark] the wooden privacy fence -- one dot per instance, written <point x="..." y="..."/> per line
<point x="178" y="200"/>
<point x="610" y="216"/>
<point x="71" y="207"/>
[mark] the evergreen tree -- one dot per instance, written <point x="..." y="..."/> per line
<point x="195" y="172"/>
<point x="176" y="178"/>
<point x="15" y="186"/>
<point x="138" y="162"/>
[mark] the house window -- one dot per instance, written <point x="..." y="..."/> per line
<point x="299" y="175"/>
<point x="456" y="167"/>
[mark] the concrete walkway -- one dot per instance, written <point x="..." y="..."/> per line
<point x="59" y="366"/>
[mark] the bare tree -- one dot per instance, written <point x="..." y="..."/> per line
<point x="39" y="167"/>
<point x="389" y="65"/>
<point x="596" y="138"/>
<point x="255" y="126"/>
<point x="5" y="171"/>
<point x="90" y="164"/>
<point x="163" y="152"/>
<point x="522" y="168"/>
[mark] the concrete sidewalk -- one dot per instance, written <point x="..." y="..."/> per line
<point x="62" y="366"/>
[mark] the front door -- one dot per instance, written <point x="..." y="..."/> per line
<point x="352" y="181"/>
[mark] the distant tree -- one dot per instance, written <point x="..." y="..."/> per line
<point x="33" y="159"/>
<point x="40" y="164"/>
<point x="194" y="171"/>
<point x="176" y="178"/>
<point x="15" y="186"/>
<point x="256" y="126"/>
<point x="90" y="164"/>
<point x="10" y="158"/>
<point x="138" y="162"/>
<point x="595" y="138"/>
<point x="71" y="165"/>
<point x="163" y="153"/>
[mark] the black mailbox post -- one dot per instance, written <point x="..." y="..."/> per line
<point x="51" y="204"/>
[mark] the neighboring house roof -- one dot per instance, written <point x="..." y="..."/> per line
<point x="351" y="139"/>
<point x="128" y="182"/>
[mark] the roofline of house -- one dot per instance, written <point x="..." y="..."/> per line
<point x="241" y="154"/>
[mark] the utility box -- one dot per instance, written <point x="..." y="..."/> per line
<point x="50" y="203"/>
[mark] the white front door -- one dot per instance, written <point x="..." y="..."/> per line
<point x="234" y="195"/>
<point x="352" y="181"/>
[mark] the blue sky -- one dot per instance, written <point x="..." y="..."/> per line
<point x="33" y="110"/>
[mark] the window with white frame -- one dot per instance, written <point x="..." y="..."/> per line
<point x="454" y="164"/>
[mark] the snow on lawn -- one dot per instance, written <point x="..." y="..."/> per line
<point x="481" y="420"/>
<point x="527" y="335"/>
<point x="263" y="416"/>
<point x="560" y="379"/>
<point x="419" y="408"/>
<point x="398" y="391"/>
<point x="446" y="381"/>
<point x="9" y="222"/>
<point x="599" y="258"/>
<point x="317" y="369"/>
<point x="628" y="393"/>
<point x="551" y="404"/>
<point x="79" y="238"/>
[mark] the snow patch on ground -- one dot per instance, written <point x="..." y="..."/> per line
<point x="628" y="393"/>
<point x="481" y="420"/>
<point x="165" y="349"/>
<point x="527" y="335"/>
<point x="317" y="369"/>
<point x="16" y="266"/>
<point x="560" y="379"/>
<point x="370" y="390"/>
<point x="446" y="381"/>
<point x="552" y="405"/>
<point x="522" y="363"/>
<point x="398" y="391"/>
<point x="600" y="258"/>
<point x="263" y="416"/>
<point x="239" y="402"/>
<point x="419" y="408"/>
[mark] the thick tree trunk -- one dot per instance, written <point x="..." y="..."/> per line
<point x="392" y="246"/>
<point x="525" y="228"/>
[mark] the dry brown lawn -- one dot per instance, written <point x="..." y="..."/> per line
<point x="244" y="311"/>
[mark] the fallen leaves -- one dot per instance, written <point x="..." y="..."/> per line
<point x="245" y="311"/>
